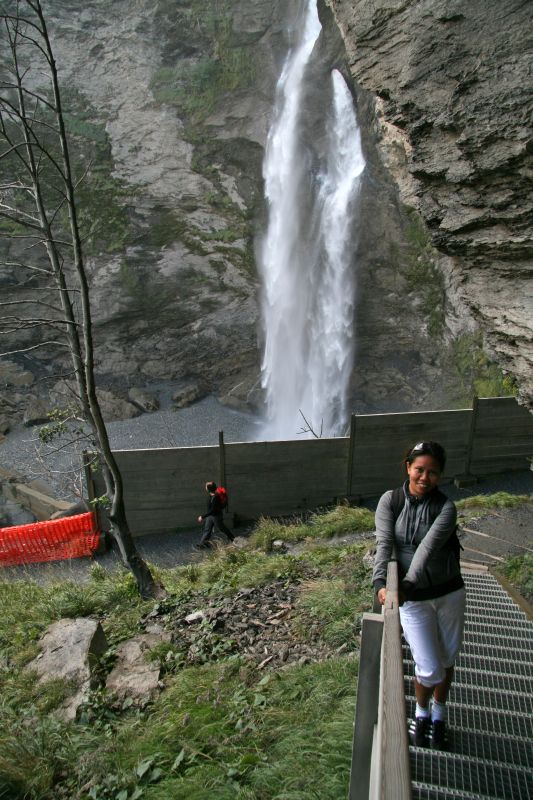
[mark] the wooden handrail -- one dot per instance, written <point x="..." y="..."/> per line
<point x="380" y="758"/>
<point x="392" y="775"/>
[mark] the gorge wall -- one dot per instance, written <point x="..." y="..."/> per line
<point x="168" y="107"/>
<point x="451" y="86"/>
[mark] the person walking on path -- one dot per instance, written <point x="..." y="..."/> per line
<point x="420" y="522"/>
<point x="214" y="517"/>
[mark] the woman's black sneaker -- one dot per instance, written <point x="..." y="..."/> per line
<point x="439" y="738"/>
<point x="419" y="731"/>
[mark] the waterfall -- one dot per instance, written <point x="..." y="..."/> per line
<point x="306" y="260"/>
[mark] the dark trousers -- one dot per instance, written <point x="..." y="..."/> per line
<point x="215" y="521"/>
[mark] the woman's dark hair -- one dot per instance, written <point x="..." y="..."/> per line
<point x="211" y="486"/>
<point x="427" y="449"/>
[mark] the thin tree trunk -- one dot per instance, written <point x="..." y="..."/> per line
<point x="80" y="343"/>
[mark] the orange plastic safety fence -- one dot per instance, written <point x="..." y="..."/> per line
<point x="53" y="540"/>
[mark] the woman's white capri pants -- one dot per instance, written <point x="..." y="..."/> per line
<point x="434" y="631"/>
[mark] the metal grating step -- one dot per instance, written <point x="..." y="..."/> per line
<point x="498" y="609"/>
<point x="511" y="621"/>
<point x="490" y="613"/>
<point x="521" y="641"/>
<point x="493" y="651"/>
<point x="514" y="621"/>
<point x="507" y="665"/>
<point x="422" y="791"/>
<point x="496" y="592"/>
<point x="474" y="718"/>
<point x="489" y="600"/>
<point x="504" y="749"/>
<point x="476" y="776"/>
<point x="470" y="659"/>
<point x="498" y="681"/>
<point x="517" y="627"/>
<point x="467" y="695"/>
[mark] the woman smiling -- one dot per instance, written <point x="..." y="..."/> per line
<point x="419" y="521"/>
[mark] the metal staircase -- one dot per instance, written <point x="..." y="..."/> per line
<point x="490" y="708"/>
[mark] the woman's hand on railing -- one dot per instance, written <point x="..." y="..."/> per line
<point x="382" y="596"/>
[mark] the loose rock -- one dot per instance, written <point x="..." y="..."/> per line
<point x="69" y="650"/>
<point x="133" y="675"/>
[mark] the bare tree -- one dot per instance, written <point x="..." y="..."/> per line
<point x="308" y="428"/>
<point x="39" y="215"/>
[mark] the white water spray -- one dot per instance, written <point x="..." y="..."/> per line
<point x="307" y="260"/>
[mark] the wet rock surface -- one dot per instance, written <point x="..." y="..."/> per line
<point x="174" y="287"/>
<point x="450" y="86"/>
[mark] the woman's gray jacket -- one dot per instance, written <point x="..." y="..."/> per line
<point x="428" y="565"/>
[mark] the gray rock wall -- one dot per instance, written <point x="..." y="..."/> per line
<point x="451" y="85"/>
<point x="168" y="108"/>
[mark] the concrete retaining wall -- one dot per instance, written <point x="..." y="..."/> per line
<point x="165" y="487"/>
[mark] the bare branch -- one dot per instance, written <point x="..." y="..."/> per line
<point x="30" y="303"/>
<point x="308" y="428"/>
<point x="27" y="266"/>
<point x="22" y="288"/>
<point x="34" y="95"/>
<point x="34" y="347"/>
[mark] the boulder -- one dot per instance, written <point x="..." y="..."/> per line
<point x="114" y="408"/>
<point x="144" y="400"/>
<point x="64" y="394"/>
<point x="13" y="375"/>
<point x="36" y="412"/>
<point x="247" y="395"/>
<point x="81" y="507"/>
<point x="69" y="649"/>
<point x="133" y="675"/>
<point x="5" y="425"/>
<point x="187" y="396"/>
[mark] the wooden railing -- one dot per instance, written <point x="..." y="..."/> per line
<point x="380" y="755"/>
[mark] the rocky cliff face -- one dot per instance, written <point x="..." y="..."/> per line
<point x="451" y="87"/>
<point x="168" y="109"/>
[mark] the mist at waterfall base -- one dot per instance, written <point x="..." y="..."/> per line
<point x="306" y="261"/>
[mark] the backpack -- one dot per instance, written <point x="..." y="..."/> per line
<point x="436" y="504"/>
<point x="222" y="495"/>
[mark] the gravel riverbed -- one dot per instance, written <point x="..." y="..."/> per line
<point x="57" y="464"/>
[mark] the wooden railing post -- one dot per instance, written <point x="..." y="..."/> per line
<point x="366" y="708"/>
<point x="391" y="776"/>
<point x="222" y="459"/>
<point x="466" y="479"/>
<point x="351" y="449"/>
<point x="471" y="435"/>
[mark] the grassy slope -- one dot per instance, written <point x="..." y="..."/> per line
<point x="223" y="728"/>
<point x="220" y="729"/>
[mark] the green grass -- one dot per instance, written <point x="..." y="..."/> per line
<point x="496" y="500"/>
<point x="519" y="572"/>
<point x="476" y="372"/>
<point x="220" y="729"/>
<point x="340" y="520"/>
